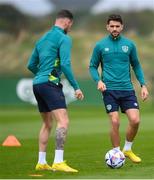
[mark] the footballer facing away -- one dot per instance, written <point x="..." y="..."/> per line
<point x="50" y="58"/>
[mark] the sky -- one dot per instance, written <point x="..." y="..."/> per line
<point x="125" y="5"/>
<point x="43" y="7"/>
<point x="31" y="7"/>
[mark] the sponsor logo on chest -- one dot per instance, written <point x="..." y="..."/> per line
<point x="106" y="49"/>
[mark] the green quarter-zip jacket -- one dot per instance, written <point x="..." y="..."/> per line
<point x="116" y="56"/>
<point x="51" y="57"/>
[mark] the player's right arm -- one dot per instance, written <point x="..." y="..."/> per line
<point x="94" y="63"/>
<point x="33" y="61"/>
<point x="93" y="68"/>
<point x="101" y="86"/>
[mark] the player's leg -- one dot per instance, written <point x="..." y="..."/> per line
<point x="45" y="131"/>
<point x="46" y="126"/>
<point x="110" y="98"/>
<point x="114" y="131"/>
<point x="129" y="105"/>
<point x="132" y="129"/>
<point x="61" y="116"/>
<point x="134" y="120"/>
<point x="43" y="141"/>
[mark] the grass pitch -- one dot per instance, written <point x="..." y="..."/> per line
<point x="87" y="142"/>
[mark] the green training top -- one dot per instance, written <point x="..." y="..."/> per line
<point x="52" y="56"/>
<point x="115" y="56"/>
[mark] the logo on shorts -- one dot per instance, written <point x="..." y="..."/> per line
<point x="125" y="48"/>
<point x="109" y="107"/>
<point x="135" y="104"/>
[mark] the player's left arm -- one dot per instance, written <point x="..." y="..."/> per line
<point x="144" y="93"/>
<point x="138" y="72"/>
<point x="65" y="61"/>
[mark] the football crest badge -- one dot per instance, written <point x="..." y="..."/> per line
<point x="125" y="48"/>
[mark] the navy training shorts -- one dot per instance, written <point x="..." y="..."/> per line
<point x="49" y="96"/>
<point x="113" y="99"/>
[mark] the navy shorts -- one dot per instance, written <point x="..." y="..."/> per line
<point x="49" y="96"/>
<point x="113" y="99"/>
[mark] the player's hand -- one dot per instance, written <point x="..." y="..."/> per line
<point x="144" y="93"/>
<point x="79" y="94"/>
<point x="101" y="86"/>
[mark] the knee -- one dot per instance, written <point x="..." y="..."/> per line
<point x="67" y="123"/>
<point x="115" y="123"/>
<point x="135" y="121"/>
<point x="64" y="120"/>
<point x="48" y="125"/>
<point x="64" y="123"/>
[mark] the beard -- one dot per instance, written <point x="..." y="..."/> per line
<point x="115" y="33"/>
<point x="65" y="30"/>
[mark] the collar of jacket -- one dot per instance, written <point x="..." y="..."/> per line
<point x="114" y="38"/>
<point x="58" y="28"/>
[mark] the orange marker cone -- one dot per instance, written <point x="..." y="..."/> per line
<point x="11" y="141"/>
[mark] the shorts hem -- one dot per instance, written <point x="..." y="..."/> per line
<point x="52" y="109"/>
<point x="124" y="111"/>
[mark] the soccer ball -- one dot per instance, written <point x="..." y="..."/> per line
<point x="114" y="158"/>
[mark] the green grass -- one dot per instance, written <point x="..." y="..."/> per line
<point x="86" y="145"/>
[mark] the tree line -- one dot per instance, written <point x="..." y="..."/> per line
<point x="13" y="21"/>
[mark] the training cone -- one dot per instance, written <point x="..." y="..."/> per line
<point x="11" y="141"/>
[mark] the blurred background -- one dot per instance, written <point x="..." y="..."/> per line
<point x="22" y="22"/>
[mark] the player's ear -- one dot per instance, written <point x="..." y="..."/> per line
<point x="107" y="27"/>
<point x="122" y="26"/>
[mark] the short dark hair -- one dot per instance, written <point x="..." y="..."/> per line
<point x="64" y="14"/>
<point x="114" y="17"/>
